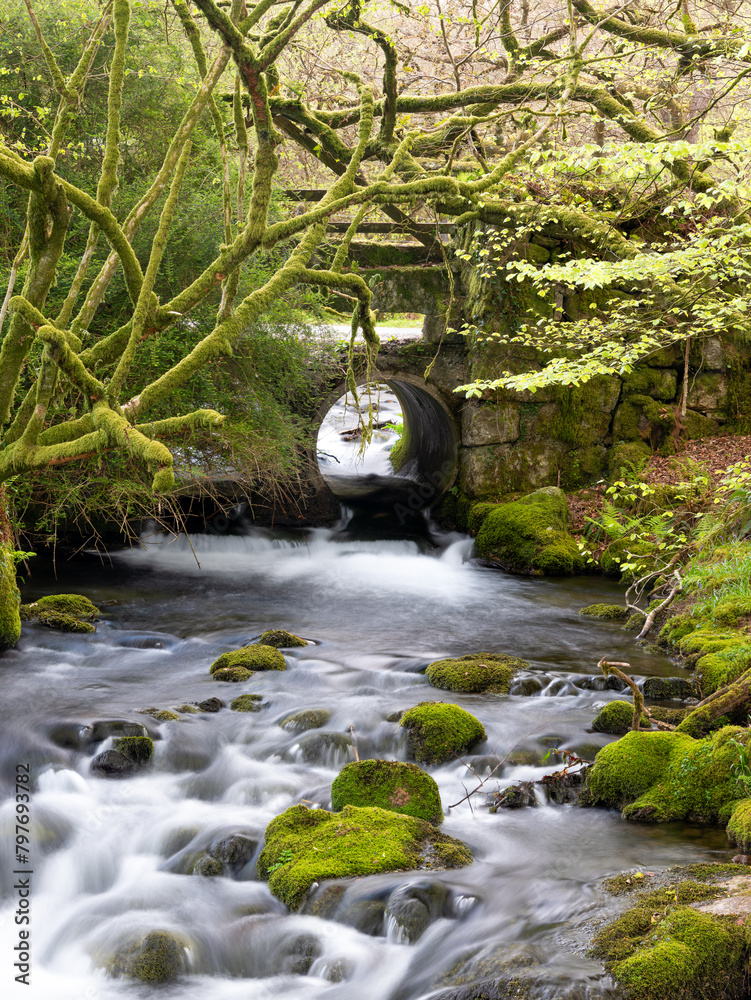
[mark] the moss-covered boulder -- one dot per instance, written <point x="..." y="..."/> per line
<point x="308" y="718"/>
<point x="437" y="732"/>
<point x="608" y="612"/>
<point x="158" y="957"/>
<point x="304" y="846"/>
<point x="664" y="949"/>
<point x="139" y="749"/>
<point x="615" y="718"/>
<point x="75" y="605"/>
<point x="247" y="703"/>
<point x="739" y="827"/>
<point x="63" y="612"/>
<point x="232" y="675"/>
<point x="529" y="535"/>
<point x="251" y="658"/>
<point x="491" y="672"/>
<point x="63" y="623"/>
<point x="281" y="639"/>
<point x="389" y="784"/>
<point x="164" y="714"/>
<point x="659" y="777"/>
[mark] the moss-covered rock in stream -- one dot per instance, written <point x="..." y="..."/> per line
<point x="615" y="718"/>
<point x="389" y="784"/>
<point x="139" y="749"/>
<point x="308" y="718"/>
<point x="247" y="703"/>
<point x="207" y="867"/>
<point x="475" y="672"/>
<point x="163" y="714"/>
<point x="63" y="612"/>
<point x="250" y="658"/>
<point x="304" y="846"/>
<point x="658" y="777"/>
<point x="437" y="732"/>
<point x="281" y="639"/>
<point x="232" y="675"/>
<point x="529" y="535"/>
<point x="158" y="957"/>
<point x="75" y="605"/>
<point x="63" y="623"/>
<point x="662" y="948"/>
<point x="608" y="612"/>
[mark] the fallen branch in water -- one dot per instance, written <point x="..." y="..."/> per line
<point x="610" y="668"/>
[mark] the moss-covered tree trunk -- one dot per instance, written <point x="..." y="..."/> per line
<point x="10" y="599"/>
<point x="730" y="701"/>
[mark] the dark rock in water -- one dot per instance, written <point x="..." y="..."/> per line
<point x="234" y="850"/>
<point x="564" y="788"/>
<point x="526" y="686"/>
<point x="414" y="907"/>
<point x="103" y="728"/>
<point x="321" y="747"/>
<point x="514" y="797"/>
<point x="159" y="957"/>
<point x="365" y="915"/>
<point x="395" y="716"/>
<point x="208" y="867"/>
<point x="71" y="735"/>
<point x="303" y="951"/>
<point x="310" y="718"/>
<point x="210" y="705"/>
<point x="669" y="688"/>
<point x="112" y="764"/>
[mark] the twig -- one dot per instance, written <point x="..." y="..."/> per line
<point x="354" y="742"/>
<point x="611" y="668"/>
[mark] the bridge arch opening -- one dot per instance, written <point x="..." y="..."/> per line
<point x="412" y="458"/>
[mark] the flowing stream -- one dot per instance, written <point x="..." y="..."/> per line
<point x="110" y="857"/>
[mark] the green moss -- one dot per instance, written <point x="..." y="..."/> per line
<point x="475" y="672"/>
<point x="139" y="749"/>
<point x="280" y="639"/>
<point x="608" y="612"/>
<point x="62" y="622"/>
<point x="232" y="675"/>
<point x="530" y="536"/>
<point x="688" y="953"/>
<point x="615" y="718"/>
<point x="659" y="383"/>
<point x="74" y="605"/>
<point x="437" y="732"/>
<point x="627" y="458"/>
<point x="310" y="718"/>
<point x="623" y="883"/>
<point x="388" y="784"/>
<point x="739" y="826"/>
<point x="250" y="658"/>
<point x="10" y="608"/>
<point x="163" y="714"/>
<point x="158" y="957"/>
<point x="188" y="709"/>
<point x="710" y="870"/>
<point x="304" y="846"/>
<point x="666" y="776"/>
<point x="247" y="703"/>
<point x="674" y="716"/>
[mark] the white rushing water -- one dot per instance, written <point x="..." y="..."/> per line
<point x="111" y="858"/>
